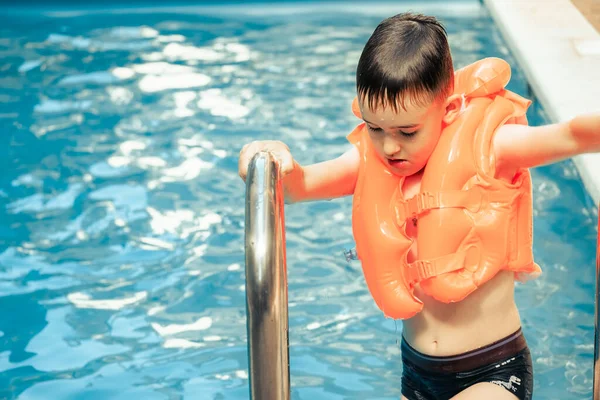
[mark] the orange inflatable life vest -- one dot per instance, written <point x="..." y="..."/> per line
<point x="471" y="225"/>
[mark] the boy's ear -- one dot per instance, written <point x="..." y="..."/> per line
<point x="453" y="106"/>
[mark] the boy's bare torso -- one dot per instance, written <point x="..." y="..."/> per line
<point x="487" y="315"/>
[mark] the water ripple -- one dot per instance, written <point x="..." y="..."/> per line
<point x="121" y="269"/>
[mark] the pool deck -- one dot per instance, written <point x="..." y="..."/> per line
<point x="591" y="10"/>
<point x="559" y="50"/>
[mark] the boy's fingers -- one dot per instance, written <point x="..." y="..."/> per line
<point x="286" y="165"/>
<point x="278" y="149"/>
<point x="244" y="160"/>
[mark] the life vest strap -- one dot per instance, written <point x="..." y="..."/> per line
<point x="424" y="269"/>
<point x="472" y="199"/>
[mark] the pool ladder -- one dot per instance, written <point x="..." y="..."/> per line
<point x="266" y="281"/>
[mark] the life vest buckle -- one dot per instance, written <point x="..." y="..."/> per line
<point x="421" y="202"/>
<point x="415" y="206"/>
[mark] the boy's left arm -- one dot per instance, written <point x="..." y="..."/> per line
<point x="522" y="146"/>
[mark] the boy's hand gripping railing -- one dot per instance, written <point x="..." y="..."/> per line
<point x="266" y="281"/>
<point x="596" y="384"/>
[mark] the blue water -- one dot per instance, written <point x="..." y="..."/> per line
<point x="121" y="226"/>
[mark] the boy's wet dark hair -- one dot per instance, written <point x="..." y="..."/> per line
<point x="406" y="58"/>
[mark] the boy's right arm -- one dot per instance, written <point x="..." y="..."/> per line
<point x="325" y="180"/>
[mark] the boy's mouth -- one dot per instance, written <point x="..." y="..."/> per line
<point x="397" y="162"/>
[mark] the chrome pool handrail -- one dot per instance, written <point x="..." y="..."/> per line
<point x="596" y="371"/>
<point x="266" y="281"/>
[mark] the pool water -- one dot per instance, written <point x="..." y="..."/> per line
<point x="122" y="218"/>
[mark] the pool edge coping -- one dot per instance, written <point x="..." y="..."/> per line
<point x="540" y="32"/>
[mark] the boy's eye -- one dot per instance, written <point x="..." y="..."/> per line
<point x="409" y="134"/>
<point x="379" y="130"/>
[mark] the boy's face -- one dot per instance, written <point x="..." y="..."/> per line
<point x="404" y="140"/>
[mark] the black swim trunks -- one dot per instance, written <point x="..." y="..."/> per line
<point x="506" y="363"/>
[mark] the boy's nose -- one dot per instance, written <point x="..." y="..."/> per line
<point x="390" y="147"/>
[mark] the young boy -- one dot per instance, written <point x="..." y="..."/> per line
<point x="424" y="128"/>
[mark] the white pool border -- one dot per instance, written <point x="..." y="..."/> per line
<point x="559" y="51"/>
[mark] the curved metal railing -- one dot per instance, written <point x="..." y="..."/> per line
<point x="266" y="281"/>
